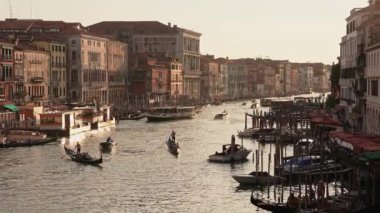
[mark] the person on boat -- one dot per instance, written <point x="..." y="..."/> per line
<point x="78" y="147"/>
<point x="172" y="135"/>
<point x="109" y="139"/>
<point x="292" y="201"/>
<point x="320" y="190"/>
<point x="4" y="141"/>
<point x="233" y="148"/>
<point x="311" y="193"/>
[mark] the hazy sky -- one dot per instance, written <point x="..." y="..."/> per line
<point x="298" y="30"/>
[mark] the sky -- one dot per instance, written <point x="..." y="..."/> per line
<point x="295" y="30"/>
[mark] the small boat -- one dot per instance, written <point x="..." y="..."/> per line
<point x="83" y="158"/>
<point x="244" y="103"/>
<point x="272" y="207"/>
<point x="254" y="106"/>
<point x="258" y="178"/>
<point x="221" y="115"/>
<point x="136" y="116"/>
<point x="229" y="156"/>
<point x="107" y="145"/>
<point x="170" y="113"/>
<point x="25" y="143"/>
<point x="173" y="147"/>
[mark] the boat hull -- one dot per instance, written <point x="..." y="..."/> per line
<point x="27" y="144"/>
<point x="240" y="156"/>
<point x="74" y="157"/>
<point x="154" y="118"/>
<point x="254" y="180"/>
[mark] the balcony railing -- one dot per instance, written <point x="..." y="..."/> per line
<point x="6" y="58"/>
<point x="37" y="79"/>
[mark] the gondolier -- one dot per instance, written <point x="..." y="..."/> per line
<point x="78" y="147"/>
<point x="172" y="135"/>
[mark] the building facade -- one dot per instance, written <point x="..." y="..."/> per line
<point x="7" y="83"/>
<point x="154" y="37"/>
<point x="57" y="81"/>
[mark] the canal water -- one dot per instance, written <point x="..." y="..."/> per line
<point x="139" y="175"/>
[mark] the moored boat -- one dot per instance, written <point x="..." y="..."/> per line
<point x="170" y="113"/>
<point x="272" y="207"/>
<point x="25" y="143"/>
<point x="83" y="158"/>
<point x="257" y="178"/>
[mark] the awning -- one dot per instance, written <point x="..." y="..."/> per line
<point x="11" y="107"/>
<point x="371" y="156"/>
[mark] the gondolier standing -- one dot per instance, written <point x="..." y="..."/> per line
<point x="172" y="135"/>
<point x="78" y="147"/>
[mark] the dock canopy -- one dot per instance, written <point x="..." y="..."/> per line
<point x="11" y="107"/>
<point x="370" y="156"/>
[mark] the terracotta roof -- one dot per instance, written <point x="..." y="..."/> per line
<point x="135" y="27"/>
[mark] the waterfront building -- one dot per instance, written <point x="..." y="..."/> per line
<point x="353" y="45"/>
<point x="176" y="78"/>
<point x="372" y="77"/>
<point x="117" y="71"/>
<point x="95" y="65"/>
<point x="305" y="77"/>
<point x="237" y="78"/>
<point x="153" y="37"/>
<point x="150" y="81"/>
<point x="57" y="81"/>
<point x="210" y="79"/>
<point x="294" y="83"/>
<point x="33" y="64"/>
<point x="269" y="81"/>
<point x="7" y="82"/>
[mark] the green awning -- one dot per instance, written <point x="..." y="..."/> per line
<point x="11" y="107"/>
<point x="371" y="156"/>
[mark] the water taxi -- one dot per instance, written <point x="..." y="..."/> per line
<point x="170" y="113"/>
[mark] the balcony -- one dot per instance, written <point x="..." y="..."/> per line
<point x="37" y="79"/>
<point x="7" y="58"/>
<point x="360" y="60"/>
<point x="37" y="97"/>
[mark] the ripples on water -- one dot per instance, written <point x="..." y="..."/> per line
<point x="139" y="175"/>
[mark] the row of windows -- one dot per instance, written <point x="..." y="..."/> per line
<point x="58" y="48"/>
<point x="373" y="59"/>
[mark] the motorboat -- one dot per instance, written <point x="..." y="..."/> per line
<point x="258" y="178"/>
<point x="170" y="113"/>
<point x="231" y="153"/>
<point x="221" y="115"/>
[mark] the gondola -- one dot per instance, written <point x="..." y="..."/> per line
<point x="173" y="147"/>
<point x="272" y="207"/>
<point x="27" y="143"/>
<point x="107" y="145"/>
<point x="83" y="158"/>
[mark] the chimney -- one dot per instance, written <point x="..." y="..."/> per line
<point x="169" y="24"/>
<point x="175" y="26"/>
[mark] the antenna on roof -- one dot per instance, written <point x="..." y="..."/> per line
<point x="10" y="10"/>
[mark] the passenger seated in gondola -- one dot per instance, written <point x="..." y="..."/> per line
<point x="109" y="139"/>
